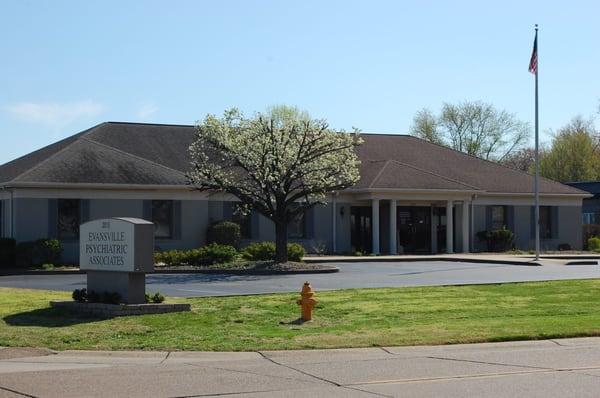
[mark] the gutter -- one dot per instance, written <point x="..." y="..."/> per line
<point x="66" y="185"/>
<point x="408" y="190"/>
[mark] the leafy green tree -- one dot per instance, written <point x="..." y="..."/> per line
<point x="522" y="160"/>
<point x="279" y="163"/>
<point x="574" y="154"/>
<point x="425" y="126"/>
<point x="476" y="128"/>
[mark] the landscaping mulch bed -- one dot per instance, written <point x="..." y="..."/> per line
<point x="237" y="268"/>
<point x="251" y="268"/>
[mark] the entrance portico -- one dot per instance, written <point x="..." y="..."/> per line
<point x="413" y="225"/>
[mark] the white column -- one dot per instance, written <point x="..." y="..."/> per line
<point x="434" y="225"/>
<point x="375" y="225"/>
<point x="449" y="228"/>
<point x="393" y="233"/>
<point x="333" y="224"/>
<point x="465" y="226"/>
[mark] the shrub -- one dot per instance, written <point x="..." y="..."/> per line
<point x="48" y="266"/>
<point x="224" y="233"/>
<point x="564" y="247"/>
<point x="50" y="250"/>
<point x="171" y="258"/>
<point x="211" y="254"/>
<point x="261" y="251"/>
<point x="207" y="255"/>
<point x="589" y="230"/>
<point x="497" y="240"/>
<point x="35" y="253"/>
<point x="155" y="298"/>
<point x="593" y="244"/>
<point x="295" y="252"/>
<point x="8" y="247"/>
<point x="158" y="298"/>
<point x="80" y="295"/>
<point x="83" y="296"/>
<point x="265" y="251"/>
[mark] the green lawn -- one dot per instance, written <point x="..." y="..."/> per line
<point x="346" y="318"/>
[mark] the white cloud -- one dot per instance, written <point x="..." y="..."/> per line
<point x="146" y="111"/>
<point x="54" y="114"/>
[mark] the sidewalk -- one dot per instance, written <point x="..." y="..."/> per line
<point x="546" y="368"/>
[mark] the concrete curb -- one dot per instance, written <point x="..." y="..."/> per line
<point x="328" y="270"/>
<point x="325" y="260"/>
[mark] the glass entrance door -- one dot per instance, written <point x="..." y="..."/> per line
<point x="360" y="227"/>
<point x="414" y="227"/>
<point x="439" y="213"/>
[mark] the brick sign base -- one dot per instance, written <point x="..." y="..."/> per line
<point x="113" y="310"/>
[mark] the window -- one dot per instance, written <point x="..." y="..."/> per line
<point x="546" y="222"/>
<point x="162" y="217"/>
<point x="589" y="218"/>
<point x="243" y="220"/>
<point x="296" y="227"/>
<point x="498" y="217"/>
<point x="68" y="218"/>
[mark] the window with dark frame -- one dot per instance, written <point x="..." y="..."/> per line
<point x="498" y="217"/>
<point x="243" y="220"/>
<point x="546" y="222"/>
<point x="162" y="217"/>
<point x="68" y="218"/>
<point x="297" y="227"/>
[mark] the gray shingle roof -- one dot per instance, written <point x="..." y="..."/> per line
<point x="157" y="154"/>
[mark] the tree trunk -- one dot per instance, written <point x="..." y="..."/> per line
<point x="281" y="242"/>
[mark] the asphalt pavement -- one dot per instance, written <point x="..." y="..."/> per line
<point x="351" y="275"/>
<point x="548" y="368"/>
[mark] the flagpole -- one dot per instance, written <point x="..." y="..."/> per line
<point x="537" y="156"/>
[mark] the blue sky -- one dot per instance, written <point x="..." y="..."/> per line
<point x="67" y="65"/>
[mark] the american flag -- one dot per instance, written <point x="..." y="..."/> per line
<point x="533" y="63"/>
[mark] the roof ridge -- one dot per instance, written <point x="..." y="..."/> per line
<point x="385" y="164"/>
<point x="152" y="124"/>
<point x="486" y="160"/>
<point x="79" y="136"/>
<point x="132" y="155"/>
<point x="435" y="174"/>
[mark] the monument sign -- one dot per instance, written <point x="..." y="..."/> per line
<point x="116" y="253"/>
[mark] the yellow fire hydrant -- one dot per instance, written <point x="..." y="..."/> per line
<point x="307" y="301"/>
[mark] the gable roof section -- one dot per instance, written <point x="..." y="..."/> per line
<point x="91" y="157"/>
<point x="454" y="165"/>
<point x="157" y="154"/>
<point x="86" y="161"/>
<point x="397" y="175"/>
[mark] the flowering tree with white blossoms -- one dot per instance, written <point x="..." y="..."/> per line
<point x="279" y="163"/>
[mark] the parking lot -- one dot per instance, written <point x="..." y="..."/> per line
<point x="351" y="275"/>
